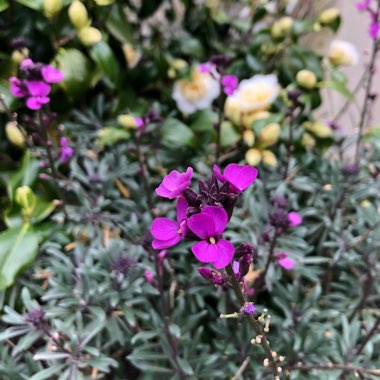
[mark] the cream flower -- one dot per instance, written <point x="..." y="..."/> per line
<point x="196" y="93"/>
<point x="343" y="53"/>
<point x="256" y="93"/>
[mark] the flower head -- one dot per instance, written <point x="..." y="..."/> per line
<point x="294" y="219"/>
<point x="209" y="226"/>
<point x="167" y="232"/>
<point x="51" y="75"/>
<point x="284" y="261"/>
<point x="343" y="53"/>
<point x="240" y="177"/>
<point x="66" y="152"/>
<point x="38" y="94"/>
<point x="174" y="183"/>
<point x="229" y="83"/>
<point x="196" y="93"/>
<point x="248" y="308"/>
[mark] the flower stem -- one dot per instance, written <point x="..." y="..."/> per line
<point x="253" y="322"/>
<point x="270" y="258"/>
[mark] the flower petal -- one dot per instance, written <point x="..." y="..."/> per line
<point x="162" y="244"/>
<point x="164" y="228"/>
<point x="205" y="252"/>
<point x="219" y="217"/>
<point x="218" y="174"/>
<point x="225" y="254"/>
<point x="202" y="225"/>
<point x="33" y="103"/>
<point x="240" y="176"/>
<point x="286" y="263"/>
<point x="182" y="207"/>
<point x="294" y="219"/>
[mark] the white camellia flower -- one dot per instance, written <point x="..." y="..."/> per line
<point x="196" y="93"/>
<point x="343" y="53"/>
<point x="254" y="94"/>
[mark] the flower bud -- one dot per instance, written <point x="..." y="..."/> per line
<point x="131" y="55"/>
<point x="269" y="158"/>
<point x="319" y="129"/>
<point x="306" y="79"/>
<point x="245" y="263"/>
<point x="249" y="137"/>
<point x="328" y="16"/>
<point x="244" y="249"/>
<point x="103" y="3"/>
<point x="211" y="275"/>
<point x="282" y="27"/>
<point x="191" y="197"/>
<point x="127" y="121"/>
<point x="253" y="156"/>
<point x="78" y="14"/>
<point x="308" y="141"/>
<point x="19" y="55"/>
<point x="26" y="199"/>
<point x="269" y="134"/>
<point x="248" y="308"/>
<point x="149" y="277"/>
<point x="178" y="64"/>
<point x="52" y="8"/>
<point x="89" y="35"/>
<point x="14" y="134"/>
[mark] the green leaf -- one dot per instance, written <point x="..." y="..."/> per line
<point x="112" y="135"/>
<point x="18" y="249"/>
<point x="3" y="5"/>
<point x="105" y="59"/>
<point x="76" y="70"/>
<point x="175" y="134"/>
<point x="33" y="4"/>
<point x="14" y="375"/>
<point x="48" y="372"/>
<point x="204" y="121"/>
<point x="339" y="87"/>
<point x="118" y="25"/>
<point x="228" y="134"/>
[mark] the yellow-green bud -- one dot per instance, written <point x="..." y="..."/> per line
<point x="126" y="121"/>
<point x="104" y="2"/>
<point x="25" y="197"/>
<point x="319" y="129"/>
<point x="269" y="158"/>
<point x="328" y="16"/>
<point x="89" y="35"/>
<point x="317" y="27"/>
<point x="306" y="79"/>
<point x="365" y="203"/>
<point x="178" y="64"/>
<point x="249" y="137"/>
<point x="171" y="73"/>
<point x="52" y="8"/>
<point x="253" y="156"/>
<point x="78" y="15"/>
<point x="282" y="27"/>
<point x="14" y="134"/>
<point x="19" y="55"/>
<point x="270" y="134"/>
<point x="308" y="141"/>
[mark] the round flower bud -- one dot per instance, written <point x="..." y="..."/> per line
<point x="78" y="14"/>
<point x="306" y="79"/>
<point x="253" y="156"/>
<point x="282" y="27"/>
<point x="25" y="197"/>
<point x="19" y="55"/>
<point x="308" y="141"/>
<point x="52" y="8"/>
<point x="171" y="73"/>
<point x="178" y="64"/>
<point x="328" y="16"/>
<point x="270" y="134"/>
<point x="127" y="121"/>
<point x="343" y="53"/>
<point x="132" y="56"/>
<point x="269" y="158"/>
<point x="319" y="129"/>
<point x="89" y="35"/>
<point x="249" y="137"/>
<point x="14" y="135"/>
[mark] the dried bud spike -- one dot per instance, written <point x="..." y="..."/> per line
<point x="266" y="362"/>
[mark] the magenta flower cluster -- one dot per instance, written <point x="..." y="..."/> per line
<point x="374" y="26"/>
<point x="34" y="85"/>
<point x="202" y="216"/>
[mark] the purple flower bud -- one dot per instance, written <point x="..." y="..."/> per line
<point x="244" y="249"/>
<point x="248" y="308"/>
<point x="149" y="277"/>
<point x="284" y="261"/>
<point x="37" y="318"/>
<point x="191" y="197"/>
<point x="279" y="218"/>
<point x="211" y="275"/>
<point x="245" y="263"/>
<point x="350" y="169"/>
<point x="279" y="201"/>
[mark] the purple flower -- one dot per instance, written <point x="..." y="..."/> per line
<point x="174" y="183"/>
<point x="374" y="30"/>
<point x="240" y="177"/>
<point x="66" y="152"/>
<point x="363" y="5"/>
<point x="51" y="75"/>
<point x="26" y="63"/>
<point x="284" y="261"/>
<point x="149" y="277"/>
<point x="167" y="232"/>
<point x="230" y="84"/>
<point x="205" y="67"/>
<point x="209" y="226"/>
<point x="18" y="87"/>
<point x="38" y="92"/>
<point x="294" y="219"/>
<point x="248" y="308"/>
<point x="139" y="122"/>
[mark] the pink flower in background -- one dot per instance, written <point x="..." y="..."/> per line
<point x="167" y="232"/>
<point x="363" y="5"/>
<point x="294" y="219"/>
<point x="205" y="67"/>
<point x="174" y="183"/>
<point x="374" y="30"/>
<point x="66" y="152"/>
<point x="51" y="75"/>
<point x="18" y="87"/>
<point x="38" y="94"/>
<point x="26" y="63"/>
<point x="139" y="121"/>
<point x="230" y="84"/>
<point x="149" y="277"/>
<point x="284" y="261"/>
<point x="209" y="226"/>
<point x="240" y="177"/>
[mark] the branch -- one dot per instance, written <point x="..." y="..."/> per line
<point x="331" y="367"/>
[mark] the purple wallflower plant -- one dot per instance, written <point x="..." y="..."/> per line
<point x="66" y="152"/>
<point x="209" y="226"/>
<point x="240" y="177"/>
<point x="229" y="83"/>
<point x="174" y="183"/>
<point x="167" y="232"/>
<point x="294" y="219"/>
<point x="38" y="94"/>
<point x="284" y="261"/>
